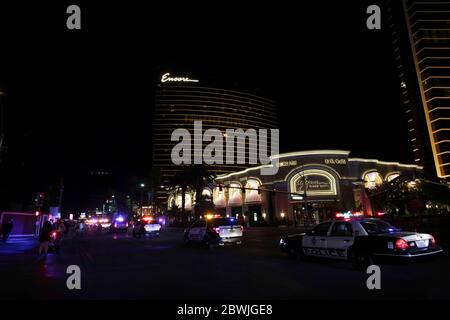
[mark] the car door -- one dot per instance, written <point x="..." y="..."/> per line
<point x="315" y="243"/>
<point x="197" y="231"/>
<point x="339" y="240"/>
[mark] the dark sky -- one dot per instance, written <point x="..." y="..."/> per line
<point x="83" y="100"/>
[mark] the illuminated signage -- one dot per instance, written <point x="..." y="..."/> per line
<point x="289" y="163"/>
<point x="167" y="78"/>
<point x="314" y="183"/>
<point x="335" y="161"/>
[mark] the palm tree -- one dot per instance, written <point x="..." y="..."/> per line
<point x="202" y="177"/>
<point x="178" y="182"/>
<point x="194" y="177"/>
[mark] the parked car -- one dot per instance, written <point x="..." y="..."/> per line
<point x="362" y="241"/>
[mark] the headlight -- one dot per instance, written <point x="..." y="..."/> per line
<point x="282" y="241"/>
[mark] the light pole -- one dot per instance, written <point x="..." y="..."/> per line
<point x="142" y="196"/>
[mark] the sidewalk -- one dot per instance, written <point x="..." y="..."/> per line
<point x="18" y="244"/>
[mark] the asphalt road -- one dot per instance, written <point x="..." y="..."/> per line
<point x="122" y="267"/>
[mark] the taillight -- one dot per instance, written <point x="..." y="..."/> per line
<point x="433" y="241"/>
<point x="401" y="244"/>
<point x="54" y="234"/>
<point x="126" y="224"/>
<point x="242" y="228"/>
<point x="115" y="225"/>
<point x="217" y="230"/>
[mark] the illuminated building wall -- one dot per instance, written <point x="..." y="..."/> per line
<point x="333" y="181"/>
<point x="182" y="101"/>
<point x="428" y="26"/>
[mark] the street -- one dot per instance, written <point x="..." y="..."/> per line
<point x="118" y="266"/>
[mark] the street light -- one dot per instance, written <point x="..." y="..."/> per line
<point x="142" y="196"/>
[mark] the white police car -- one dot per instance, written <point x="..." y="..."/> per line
<point x="361" y="240"/>
<point x="214" y="230"/>
<point x="147" y="226"/>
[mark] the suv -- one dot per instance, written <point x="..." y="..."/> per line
<point x="214" y="231"/>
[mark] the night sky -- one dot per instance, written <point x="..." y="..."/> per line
<point x="83" y="100"/>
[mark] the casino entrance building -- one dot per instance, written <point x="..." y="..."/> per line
<point x="326" y="181"/>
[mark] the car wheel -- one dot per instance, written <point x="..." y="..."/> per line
<point x="361" y="260"/>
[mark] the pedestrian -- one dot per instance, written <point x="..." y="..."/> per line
<point x="45" y="237"/>
<point x="66" y="226"/>
<point x="61" y="227"/>
<point x="7" y="229"/>
<point x="36" y="232"/>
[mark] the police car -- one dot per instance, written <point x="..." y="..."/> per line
<point x="147" y="226"/>
<point x="119" y="224"/>
<point x="362" y="241"/>
<point x="214" y="230"/>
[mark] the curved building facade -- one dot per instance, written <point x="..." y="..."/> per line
<point x="180" y="101"/>
<point x="326" y="181"/>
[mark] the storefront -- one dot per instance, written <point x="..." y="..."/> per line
<point x="310" y="186"/>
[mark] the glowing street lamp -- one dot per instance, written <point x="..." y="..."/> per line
<point x="142" y="196"/>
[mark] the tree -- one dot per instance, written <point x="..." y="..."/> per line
<point x="179" y="182"/>
<point x="193" y="177"/>
<point x="202" y="176"/>
<point x="412" y="194"/>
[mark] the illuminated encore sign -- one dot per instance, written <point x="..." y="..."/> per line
<point x="167" y="78"/>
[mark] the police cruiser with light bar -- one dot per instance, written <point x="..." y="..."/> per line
<point x="360" y="240"/>
<point x="214" y="230"/>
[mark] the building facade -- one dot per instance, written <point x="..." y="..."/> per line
<point x="180" y="101"/>
<point x="326" y="181"/>
<point x="427" y="91"/>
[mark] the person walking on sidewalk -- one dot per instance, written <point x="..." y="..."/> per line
<point x="44" y="237"/>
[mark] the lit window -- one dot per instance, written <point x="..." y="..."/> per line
<point x="372" y="180"/>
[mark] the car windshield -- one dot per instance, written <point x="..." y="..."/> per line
<point x="377" y="226"/>
<point x="223" y="222"/>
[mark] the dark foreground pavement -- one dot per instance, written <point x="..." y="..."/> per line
<point x="122" y="267"/>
